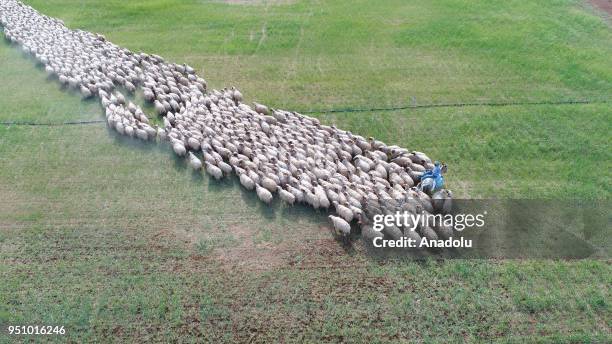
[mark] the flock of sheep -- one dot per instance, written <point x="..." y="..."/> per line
<point x="273" y="152"/>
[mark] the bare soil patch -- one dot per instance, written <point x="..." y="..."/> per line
<point x="290" y="253"/>
<point x="604" y="5"/>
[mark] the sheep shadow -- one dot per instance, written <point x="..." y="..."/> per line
<point x="231" y="182"/>
<point x="134" y="143"/>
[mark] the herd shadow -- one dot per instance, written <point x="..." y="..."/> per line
<point x="230" y="183"/>
<point x="297" y="212"/>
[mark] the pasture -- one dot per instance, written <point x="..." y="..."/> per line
<point x="111" y="237"/>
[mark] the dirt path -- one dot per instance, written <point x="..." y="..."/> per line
<point x="604" y="5"/>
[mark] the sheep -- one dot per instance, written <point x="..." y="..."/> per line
<point x="311" y="198"/>
<point x="368" y="234"/>
<point x="179" y="148"/>
<point x="129" y="130"/>
<point x="269" y="184"/>
<point x="443" y="231"/>
<point x="419" y="158"/>
<point x="120" y="98"/>
<point x="120" y="128"/>
<point x="247" y="182"/>
<point x="345" y="212"/>
<point x="254" y="176"/>
<point x="213" y="170"/>
<point x="225" y="167"/>
<point x="142" y="134"/>
<point x="149" y="96"/>
<point x="341" y="228"/>
<point x="299" y="195"/>
<point x="412" y="235"/>
<point x="159" y="108"/>
<point x="429" y="233"/>
<point x="194" y="162"/>
<point x="263" y="194"/>
<point x="161" y="133"/>
<point x="286" y="196"/>
<point x="141" y="117"/>
<point x="262" y="109"/>
<point x="392" y="232"/>
<point x="85" y="92"/>
<point x="442" y="201"/>
<point x="193" y="143"/>
<point x="322" y="199"/>
<point x="237" y="95"/>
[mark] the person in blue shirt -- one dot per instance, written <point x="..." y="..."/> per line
<point x="432" y="180"/>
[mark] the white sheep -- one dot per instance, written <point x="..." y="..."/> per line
<point x="179" y="148"/>
<point x="286" y="196"/>
<point x="269" y="184"/>
<point x="213" y="170"/>
<point x="262" y="109"/>
<point x="263" y="194"/>
<point x="247" y="182"/>
<point x="194" y="162"/>
<point x="344" y="212"/>
<point x="341" y="227"/>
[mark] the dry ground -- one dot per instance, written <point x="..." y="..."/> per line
<point x="604" y="5"/>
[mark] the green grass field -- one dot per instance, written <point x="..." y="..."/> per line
<point x="110" y="237"/>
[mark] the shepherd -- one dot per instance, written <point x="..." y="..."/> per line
<point x="432" y="180"/>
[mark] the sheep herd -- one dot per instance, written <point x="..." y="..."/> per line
<point x="274" y="152"/>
